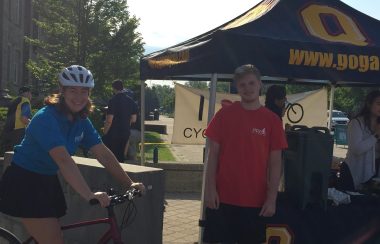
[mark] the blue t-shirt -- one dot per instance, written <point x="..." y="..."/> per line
<point x="49" y="129"/>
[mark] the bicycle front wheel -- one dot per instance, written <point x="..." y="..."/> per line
<point x="7" y="237"/>
<point x="295" y="113"/>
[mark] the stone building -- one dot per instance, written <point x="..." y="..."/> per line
<point x="15" y="23"/>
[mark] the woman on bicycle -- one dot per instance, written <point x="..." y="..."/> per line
<point x="30" y="189"/>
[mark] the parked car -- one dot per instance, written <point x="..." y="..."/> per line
<point x="338" y="118"/>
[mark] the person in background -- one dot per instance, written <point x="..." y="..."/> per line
<point x="130" y="151"/>
<point x="18" y="118"/>
<point x="275" y="100"/>
<point x="363" y="155"/>
<point x="128" y="92"/>
<point x="30" y="188"/>
<point x="121" y="113"/>
<point x="134" y="140"/>
<point x="244" y="165"/>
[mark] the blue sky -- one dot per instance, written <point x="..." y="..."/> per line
<point x="164" y="23"/>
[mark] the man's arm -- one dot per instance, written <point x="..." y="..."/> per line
<point x="211" y="195"/>
<point x="274" y="175"/>
<point x="107" y="123"/>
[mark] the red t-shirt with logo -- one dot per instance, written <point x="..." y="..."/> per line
<point x="246" y="138"/>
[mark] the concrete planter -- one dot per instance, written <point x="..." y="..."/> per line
<point x="180" y="177"/>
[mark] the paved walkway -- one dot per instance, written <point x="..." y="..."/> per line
<point x="182" y="153"/>
<point x="183" y="210"/>
<point x="181" y="218"/>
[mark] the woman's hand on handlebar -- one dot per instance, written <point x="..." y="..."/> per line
<point x="138" y="186"/>
<point x="103" y="198"/>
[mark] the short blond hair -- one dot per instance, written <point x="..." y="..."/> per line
<point x="246" y="69"/>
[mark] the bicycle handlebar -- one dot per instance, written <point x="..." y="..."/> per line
<point x="120" y="198"/>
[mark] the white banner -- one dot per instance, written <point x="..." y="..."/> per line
<point x="191" y="110"/>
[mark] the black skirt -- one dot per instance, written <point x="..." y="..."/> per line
<point x="26" y="194"/>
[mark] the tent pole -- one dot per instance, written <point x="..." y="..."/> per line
<point x="211" y="111"/>
<point x="331" y="106"/>
<point x="142" y="116"/>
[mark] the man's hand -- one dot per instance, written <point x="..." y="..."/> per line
<point x="268" y="209"/>
<point x="212" y="198"/>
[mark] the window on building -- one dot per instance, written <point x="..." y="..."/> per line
<point x="17" y="11"/>
<point x="17" y="67"/>
<point x="10" y="9"/>
<point x="20" y="10"/>
<point x="9" y="66"/>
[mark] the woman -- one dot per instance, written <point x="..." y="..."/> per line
<point x="275" y="100"/>
<point x="362" y="159"/>
<point x="29" y="189"/>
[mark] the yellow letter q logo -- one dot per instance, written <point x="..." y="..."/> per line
<point x="344" y="29"/>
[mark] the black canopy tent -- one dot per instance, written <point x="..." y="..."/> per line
<point x="319" y="41"/>
<point x="290" y="41"/>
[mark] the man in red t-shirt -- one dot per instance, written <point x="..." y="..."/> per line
<point x="244" y="165"/>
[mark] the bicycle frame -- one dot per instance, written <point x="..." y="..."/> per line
<point x="113" y="233"/>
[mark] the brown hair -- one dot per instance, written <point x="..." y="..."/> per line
<point x="365" y="112"/>
<point x="117" y="85"/>
<point x="59" y="101"/>
<point x="246" y="69"/>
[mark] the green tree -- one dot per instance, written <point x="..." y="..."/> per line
<point x="202" y="85"/>
<point x="55" y="42"/>
<point x="350" y="99"/>
<point x="118" y="45"/>
<point x="151" y="100"/>
<point x="166" y="97"/>
<point x="298" y="88"/>
<point x="223" y="87"/>
<point x="98" y="34"/>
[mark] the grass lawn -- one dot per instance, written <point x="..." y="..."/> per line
<point x="164" y="153"/>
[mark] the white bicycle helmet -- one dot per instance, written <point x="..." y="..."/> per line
<point x="76" y="75"/>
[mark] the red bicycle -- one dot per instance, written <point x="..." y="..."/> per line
<point x="113" y="233"/>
